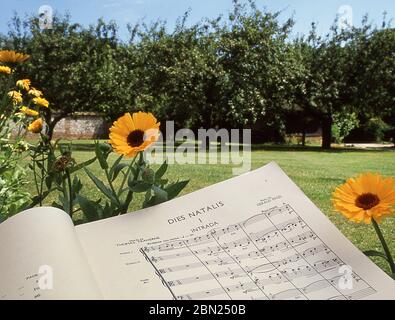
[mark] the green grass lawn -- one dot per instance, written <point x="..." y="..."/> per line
<point x="316" y="172"/>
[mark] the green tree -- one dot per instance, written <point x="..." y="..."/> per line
<point x="258" y="67"/>
<point x="76" y="67"/>
<point x="376" y="79"/>
<point x="326" y="79"/>
<point x="218" y="73"/>
<point x="171" y="72"/>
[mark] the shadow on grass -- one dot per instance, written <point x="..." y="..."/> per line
<point x="290" y="148"/>
<point x="88" y="145"/>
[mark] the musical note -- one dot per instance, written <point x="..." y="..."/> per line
<point x="271" y="255"/>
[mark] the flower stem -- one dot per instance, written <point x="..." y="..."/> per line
<point x="112" y="188"/>
<point x="385" y="246"/>
<point x="126" y="175"/>
<point x="70" y="193"/>
<point x="39" y="192"/>
<point x="42" y="176"/>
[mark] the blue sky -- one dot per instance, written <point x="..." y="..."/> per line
<point x="132" y="11"/>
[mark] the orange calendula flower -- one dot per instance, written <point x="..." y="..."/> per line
<point x="29" y="112"/>
<point x="36" y="126"/>
<point x="35" y="93"/>
<point x="23" y="84"/>
<point x="6" y="70"/>
<point x="369" y="196"/>
<point x="41" y="102"/>
<point x="9" y="56"/>
<point x="131" y="134"/>
<point x="16" y="96"/>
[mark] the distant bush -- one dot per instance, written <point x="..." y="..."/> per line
<point x="343" y="125"/>
<point x="374" y="130"/>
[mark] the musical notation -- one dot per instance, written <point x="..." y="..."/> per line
<point x="28" y="288"/>
<point x="272" y="255"/>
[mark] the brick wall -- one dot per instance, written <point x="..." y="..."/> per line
<point x="82" y="126"/>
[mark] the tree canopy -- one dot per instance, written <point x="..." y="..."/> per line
<point x="242" y="70"/>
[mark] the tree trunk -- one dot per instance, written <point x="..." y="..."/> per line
<point x="326" y="132"/>
<point x="51" y="128"/>
<point x="304" y="138"/>
<point x="53" y="122"/>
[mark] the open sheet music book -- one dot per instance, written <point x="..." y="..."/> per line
<point x="256" y="236"/>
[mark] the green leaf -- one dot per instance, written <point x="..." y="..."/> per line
<point x="135" y="172"/>
<point x="36" y="199"/>
<point x="40" y="165"/>
<point x="82" y="165"/>
<point x="113" y="167"/>
<point x="148" y="175"/>
<point x="101" y="186"/>
<point x="105" y="147"/>
<point x="161" y="182"/>
<point x="65" y="205"/>
<point x="116" y="163"/>
<point x="374" y="253"/>
<point x="107" y="211"/>
<point x="65" y="149"/>
<point x="160" y="195"/>
<point x="57" y="178"/>
<point x="51" y="160"/>
<point x="77" y="185"/>
<point x="92" y="210"/>
<point x="48" y="181"/>
<point x="57" y="205"/>
<point x="128" y="200"/>
<point x="161" y="171"/>
<point x="101" y="157"/>
<point x="140" y="187"/>
<point x="148" y="202"/>
<point x="174" y="189"/>
<point x="118" y="168"/>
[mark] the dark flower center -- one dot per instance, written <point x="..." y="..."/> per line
<point x="136" y="138"/>
<point x="367" y="201"/>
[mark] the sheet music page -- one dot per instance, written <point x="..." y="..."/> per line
<point x="41" y="258"/>
<point x="256" y="236"/>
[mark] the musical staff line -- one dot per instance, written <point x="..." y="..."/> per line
<point x="271" y="263"/>
<point x="158" y="273"/>
<point x="271" y="255"/>
<point x="249" y="276"/>
<point x="309" y="263"/>
<point x="209" y="271"/>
